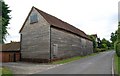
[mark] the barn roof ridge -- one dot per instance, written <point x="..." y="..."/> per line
<point x="54" y="21"/>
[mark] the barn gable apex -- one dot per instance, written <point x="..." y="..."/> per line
<point x="53" y="21"/>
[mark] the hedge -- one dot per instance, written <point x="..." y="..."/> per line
<point x="117" y="48"/>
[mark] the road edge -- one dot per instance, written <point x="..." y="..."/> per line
<point x="113" y="65"/>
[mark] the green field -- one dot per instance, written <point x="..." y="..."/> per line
<point x="117" y="64"/>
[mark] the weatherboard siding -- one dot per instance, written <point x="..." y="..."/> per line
<point x="68" y="44"/>
<point x="35" y="39"/>
<point x="42" y="41"/>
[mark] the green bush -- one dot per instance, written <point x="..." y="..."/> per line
<point x="96" y="50"/>
<point x="117" y="48"/>
<point x="100" y="49"/>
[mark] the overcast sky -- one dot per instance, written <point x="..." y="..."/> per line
<point x="91" y="16"/>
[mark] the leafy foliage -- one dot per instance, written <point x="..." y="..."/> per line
<point x="5" y="20"/>
<point x="113" y="37"/>
<point x="117" y="48"/>
<point x="94" y="43"/>
<point x="117" y="44"/>
<point x="99" y="43"/>
<point x="118" y="33"/>
<point x="105" y="43"/>
<point x="0" y="22"/>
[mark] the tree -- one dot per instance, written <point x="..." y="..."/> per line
<point x="117" y="44"/>
<point x="0" y="22"/>
<point x="99" y="43"/>
<point x="104" y="46"/>
<point x="109" y="45"/>
<point x="113" y="37"/>
<point x="94" y="41"/>
<point x="5" y="20"/>
<point x="118" y="33"/>
<point x="106" y="43"/>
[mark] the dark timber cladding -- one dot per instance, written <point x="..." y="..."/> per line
<point x="50" y="45"/>
<point x="20" y="45"/>
<point x="51" y="38"/>
<point x="10" y="52"/>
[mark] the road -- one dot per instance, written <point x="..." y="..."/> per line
<point x="98" y="64"/>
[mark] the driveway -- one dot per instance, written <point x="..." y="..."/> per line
<point x="98" y="64"/>
<point x="27" y="68"/>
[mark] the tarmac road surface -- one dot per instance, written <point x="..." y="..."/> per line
<point x="98" y="64"/>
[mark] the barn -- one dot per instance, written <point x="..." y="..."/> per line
<point x="10" y="52"/>
<point x="45" y="37"/>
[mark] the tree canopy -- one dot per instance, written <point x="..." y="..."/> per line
<point x="105" y="43"/>
<point x="113" y="37"/>
<point x="4" y="20"/>
<point x="117" y="44"/>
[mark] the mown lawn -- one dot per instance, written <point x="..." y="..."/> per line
<point x="5" y="72"/>
<point x="117" y="64"/>
<point x="71" y="59"/>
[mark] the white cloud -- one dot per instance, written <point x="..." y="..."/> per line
<point x="91" y="16"/>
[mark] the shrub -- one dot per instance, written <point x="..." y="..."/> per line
<point x="100" y="49"/>
<point x="117" y="48"/>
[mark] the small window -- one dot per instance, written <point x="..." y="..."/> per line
<point x="33" y="18"/>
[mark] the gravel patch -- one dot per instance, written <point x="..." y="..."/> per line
<point x="28" y="68"/>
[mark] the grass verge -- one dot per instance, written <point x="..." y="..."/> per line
<point x="117" y="64"/>
<point x="5" y="72"/>
<point x="72" y="59"/>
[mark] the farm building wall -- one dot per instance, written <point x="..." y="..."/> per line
<point x="35" y="40"/>
<point x="65" y="44"/>
<point x="9" y="56"/>
<point x="42" y="40"/>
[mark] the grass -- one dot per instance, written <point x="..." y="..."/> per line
<point x="117" y="64"/>
<point x="72" y="59"/>
<point x="66" y="60"/>
<point x="5" y="72"/>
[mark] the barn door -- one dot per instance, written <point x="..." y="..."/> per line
<point x="55" y="50"/>
<point x="14" y="57"/>
<point x="11" y="57"/>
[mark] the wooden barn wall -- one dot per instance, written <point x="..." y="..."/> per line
<point x="65" y="44"/>
<point x="35" y="43"/>
<point x="9" y="56"/>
